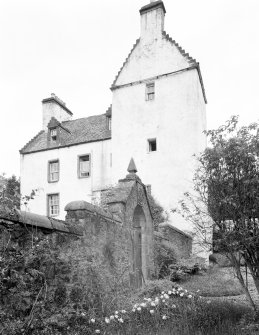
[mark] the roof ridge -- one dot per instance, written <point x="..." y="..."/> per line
<point x="181" y="50"/>
<point x="30" y="141"/>
<point x="126" y="60"/>
<point x="80" y="118"/>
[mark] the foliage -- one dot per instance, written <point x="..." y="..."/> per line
<point x="158" y="213"/>
<point x="226" y="198"/>
<point x="175" y="311"/>
<point x="45" y="289"/>
<point x="215" y="282"/>
<point x="48" y="285"/>
<point x="164" y="256"/>
<point x="9" y="192"/>
<point x="184" y="268"/>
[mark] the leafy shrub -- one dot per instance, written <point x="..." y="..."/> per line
<point x="184" y="268"/>
<point x="163" y="257"/>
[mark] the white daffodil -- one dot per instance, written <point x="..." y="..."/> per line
<point x="97" y="331"/>
<point x="107" y="320"/>
<point x="164" y="317"/>
<point x="139" y="308"/>
<point x="166" y="296"/>
<point x="169" y="292"/>
<point x="143" y="304"/>
<point x="120" y="320"/>
<point x="152" y="311"/>
<point x="116" y="312"/>
<point x="153" y="303"/>
<point x="123" y="311"/>
<point x="92" y="320"/>
<point x="112" y="317"/>
<point x="189" y="296"/>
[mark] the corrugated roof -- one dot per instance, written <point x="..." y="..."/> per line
<point x="89" y="129"/>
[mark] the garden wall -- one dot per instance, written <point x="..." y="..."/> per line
<point x="177" y="240"/>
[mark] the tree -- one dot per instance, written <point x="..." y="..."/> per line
<point x="227" y="196"/>
<point x="9" y="192"/>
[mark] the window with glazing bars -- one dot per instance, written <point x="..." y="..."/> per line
<point x="53" y="171"/>
<point x="53" y="204"/>
<point x="84" y="166"/>
<point x="150" y="91"/>
<point x="53" y="134"/>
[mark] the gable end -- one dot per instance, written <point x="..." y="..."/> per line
<point x="134" y="46"/>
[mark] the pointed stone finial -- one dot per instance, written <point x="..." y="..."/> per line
<point x="132" y="166"/>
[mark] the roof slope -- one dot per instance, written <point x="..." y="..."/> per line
<point x="89" y="129"/>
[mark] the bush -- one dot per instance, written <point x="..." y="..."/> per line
<point x="184" y="268"/>
<point x="164" y="257"/>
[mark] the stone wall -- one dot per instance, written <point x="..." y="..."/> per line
<point x="106" y="234"/>
<point x="177" y="240"/>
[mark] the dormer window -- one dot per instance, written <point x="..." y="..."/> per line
<point x="53" y="134"/>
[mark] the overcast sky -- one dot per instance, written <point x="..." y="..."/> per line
<point x="74" y="48"/>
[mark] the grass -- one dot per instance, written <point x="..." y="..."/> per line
<point x="184" y="316"/>
<point x="216" y="282"/>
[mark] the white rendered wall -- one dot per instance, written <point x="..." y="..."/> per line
<point x="34" y="174"/>
<point x="176" y="118"/>
<point x="151" y="58"/>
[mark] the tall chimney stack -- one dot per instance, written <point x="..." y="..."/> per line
<point x="152" y="21"/>
<point x="54" y="107"/>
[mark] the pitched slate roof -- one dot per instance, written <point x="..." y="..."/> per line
<point x="89" y="129"/>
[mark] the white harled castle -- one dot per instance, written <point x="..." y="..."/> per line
<point x="157" y="116"/>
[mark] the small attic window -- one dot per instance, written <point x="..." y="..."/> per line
<point x="53" y="134"/>
<point x="150" y="91"/>
<point x="152" y="145"/>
